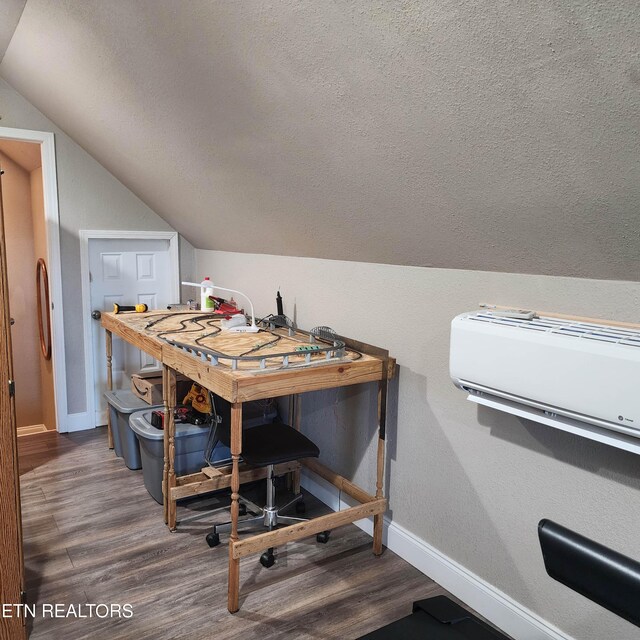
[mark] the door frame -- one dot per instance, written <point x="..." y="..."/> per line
<point x="12" y="581"/>
<point x="46" y="140"/>
<point x="92" y="234"/>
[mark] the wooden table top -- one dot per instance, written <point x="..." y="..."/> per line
<point x="246" y="366"/>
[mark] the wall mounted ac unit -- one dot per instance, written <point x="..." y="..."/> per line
<point x="580" y="377"/>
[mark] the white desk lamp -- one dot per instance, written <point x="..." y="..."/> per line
<point x="243" y="328"/>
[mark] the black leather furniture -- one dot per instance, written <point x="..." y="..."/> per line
<point x="593" y="570"/>
<point x="437" y="618"/>
<point x="607" y="577"/>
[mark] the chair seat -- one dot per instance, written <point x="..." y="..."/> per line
<point x="275" y="443"/>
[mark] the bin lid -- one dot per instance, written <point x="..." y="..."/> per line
<point x="125" y="401"/>
<point x="140" y="423"/>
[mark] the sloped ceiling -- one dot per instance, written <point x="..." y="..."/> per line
<point x="10" y="11"/>
<point x="478" y="135"/>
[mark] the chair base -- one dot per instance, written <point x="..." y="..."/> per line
<point x="267" y="517"/>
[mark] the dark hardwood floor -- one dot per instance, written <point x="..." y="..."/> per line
<point x="92" y="534"/>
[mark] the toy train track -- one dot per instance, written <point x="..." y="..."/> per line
<point x="278" y="345"/>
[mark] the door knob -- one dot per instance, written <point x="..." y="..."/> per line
<point x="96" y="315"/>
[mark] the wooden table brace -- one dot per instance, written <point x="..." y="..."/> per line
<point x="262" y="541"/>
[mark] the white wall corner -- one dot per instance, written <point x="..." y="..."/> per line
<point x="491" y="603"/>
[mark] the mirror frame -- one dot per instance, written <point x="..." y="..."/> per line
<point x="45" y="335"/>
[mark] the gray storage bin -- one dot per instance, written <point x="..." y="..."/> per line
<point x="122" y="403"/>
<point x="190" y="443"/>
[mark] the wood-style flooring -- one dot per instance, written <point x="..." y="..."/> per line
<point x="92" y="534"/>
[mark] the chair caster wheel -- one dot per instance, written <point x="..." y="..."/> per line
<point x="323" y="537"/>
<point x="301" y="507"/>
<point x="242" y="509"/>
<point x="213" y="539"/>
<point x="267" y="559"/>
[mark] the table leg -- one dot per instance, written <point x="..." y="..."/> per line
<point x="236" y="449"/>
<point x="170" y="429"/>
<point x="165" y="438"/>
<point x="109" y="343"/>
<point x="378" y="519"/>
<point x="290" y="421"/>
<point x="295" y="476"/>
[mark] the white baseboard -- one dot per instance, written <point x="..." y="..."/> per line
<point x="77" y="422"/>
<point x="491" y="603"/>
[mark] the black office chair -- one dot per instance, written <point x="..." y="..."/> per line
<point x="266" y="446"/>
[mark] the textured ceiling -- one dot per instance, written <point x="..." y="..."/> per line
<point x="480" y="135"/>
<point x="10" y="11"/>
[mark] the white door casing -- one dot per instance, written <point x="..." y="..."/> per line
<point x="126" y="268"/>
<point x="50" y="192"/>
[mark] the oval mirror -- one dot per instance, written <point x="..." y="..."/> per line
<point x="44" y="308"/>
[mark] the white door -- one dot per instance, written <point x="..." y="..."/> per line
<point x="127" y="272"/>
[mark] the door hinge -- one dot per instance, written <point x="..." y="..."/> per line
<point x="12" y="388"/>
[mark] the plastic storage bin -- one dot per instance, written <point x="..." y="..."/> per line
<point x="122" y="403"/>
<point x="190" y="443"/>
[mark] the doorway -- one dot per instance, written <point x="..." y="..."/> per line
<point x="37" y="158"/>
<point x="127" y="268"/>
<point x="41" y="149"/>
<point x="27" y="257"/>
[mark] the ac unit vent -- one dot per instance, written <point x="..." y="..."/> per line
<point x="567" y="328"/>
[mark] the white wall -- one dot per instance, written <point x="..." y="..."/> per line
<point x="470" y="482"/>
<point x="89" y="198"/>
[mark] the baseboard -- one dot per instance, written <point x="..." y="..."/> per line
<point x="76" y="422"/>
<point x="491" y="603"/>
<point x="29" y="430"/>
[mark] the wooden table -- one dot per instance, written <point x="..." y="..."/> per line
<point x="243" y="367"/>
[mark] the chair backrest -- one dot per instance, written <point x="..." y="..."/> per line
<point x="607" y="577"/>
<point x="222" y="412"/>
<point x="254" y="413"/>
